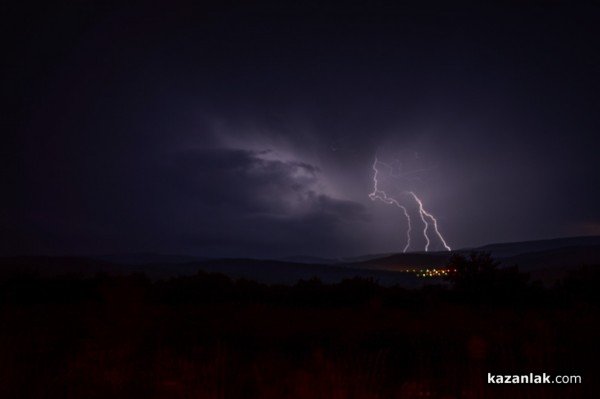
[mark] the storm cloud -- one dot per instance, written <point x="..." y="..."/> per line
<point x="240" y="199"/>
<point x="252" y="132"/>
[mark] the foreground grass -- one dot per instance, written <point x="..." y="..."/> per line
<point x="132" y="347"/>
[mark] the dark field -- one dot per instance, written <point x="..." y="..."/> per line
<point x="206" y="336"/>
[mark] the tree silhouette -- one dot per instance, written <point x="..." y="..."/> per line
<point x="479" y="277"/>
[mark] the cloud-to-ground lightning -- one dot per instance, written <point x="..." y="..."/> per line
<point x="382" y="196"/>
<point x="379" y="194"/>
<point x="424" y="213"/>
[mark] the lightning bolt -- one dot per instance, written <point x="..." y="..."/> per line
<point x="378" y="194"/>
<point x="424" y="213"/>
<point x="381" y="195"/>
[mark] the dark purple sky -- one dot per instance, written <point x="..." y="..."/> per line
<point x="238" y="131"/>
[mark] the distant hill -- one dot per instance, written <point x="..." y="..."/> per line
<point x="280" y="272"/>
<point x="553" y="264"/>
<point x="547" y="260"/>
<point x="265" y="271"/>
<point x="505" y="250"/>
<point x="147" y="257"/>
<point x="403" y="261"/>
<point x="310" y="260"/>
<point x="54" y="265"/>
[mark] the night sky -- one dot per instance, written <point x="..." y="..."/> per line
<point x="253" y="131"/>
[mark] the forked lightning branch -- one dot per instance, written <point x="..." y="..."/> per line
<point x="429" y="221"/>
